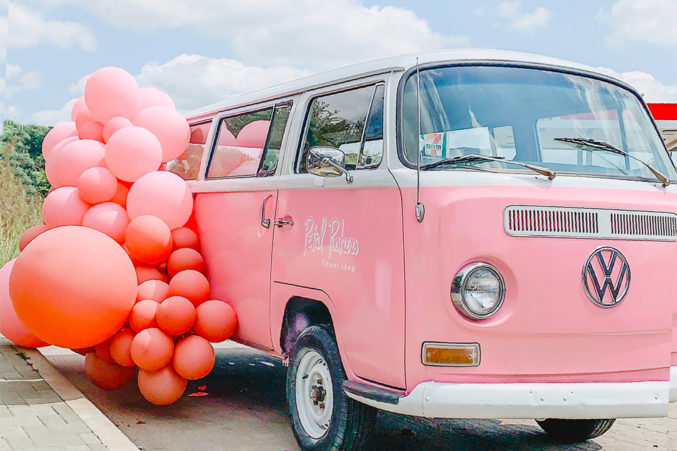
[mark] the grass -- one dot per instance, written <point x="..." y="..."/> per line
<point x="18" y="210"/>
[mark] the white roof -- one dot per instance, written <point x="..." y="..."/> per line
<point x="395" y="63"/>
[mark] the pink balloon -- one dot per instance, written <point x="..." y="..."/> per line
<point x="63" y="206"/>
<point x="226" y="138"/>
<point x="57" y="134"/>
<point x="97" y="185"/>
<point x="109" y="218"/>
<point x="10" y="323"/>
<point x="114" y="125"/>
<point x="161" y="194"/>
<point x="253" y="134"/>
<point x="111" y="92"/>
<point x="132" y="152"/>
<point x="53" y="157"/>
<point x="154" y="97"/>
<point x="91" y="130"/>
<point x="75" y="158"/>
<point x="170" y="128"/>
<point x="78" y="105"/>
<point x="83" y="116"/>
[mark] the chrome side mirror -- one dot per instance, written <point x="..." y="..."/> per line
<point x="327" y="161"/>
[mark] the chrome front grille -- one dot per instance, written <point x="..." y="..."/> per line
<point x="568" y="222"/>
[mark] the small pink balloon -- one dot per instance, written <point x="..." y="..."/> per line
<point x="83" y="116"/>
<point x="253" y="134"/>
<point x="78" y="105"/>
<point x="11" y="325"/>
<point x="226" y="138"/>
<point x="75" y="158"/>
<point x="132" y="152"/>
<point x="154" y="97"/>
<point x="91" y="130"/>
<point x="113" y="125"/>
<point x="110" y="92"/>
<point x="53" y="157"/>
<point x="109" y="218"/>
<point x="63" y="206"/>
<point x="97" y="185"/>
<point x="161" y="194"/>
<point x="170" y="128"/>
<point x="57" y="134"/>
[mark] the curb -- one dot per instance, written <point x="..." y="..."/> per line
<point x="99" y="423"/>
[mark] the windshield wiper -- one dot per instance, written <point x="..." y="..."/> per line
<point x="469" y="158"/>
<point x="594" y="144"/>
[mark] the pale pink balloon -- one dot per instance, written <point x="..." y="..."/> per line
<point x="226" y="138"/>
<point x="109" y="218"/>
<point x="91" y="130"/>
<point x="253" y="134"/>
<point x="154" y="97"/>
<point x="169" y="126"/>
<point x="113" y="125"/>
<point x="10" y="323"/>
<point x="97" y="185"/>
<point x="78" y="105"/>
<point x="161" y="194"/>
<point x="83" y="116"/>
<point x="110" y="92"/>
<point x="63" y="206"/>
<point x="75" y="158"/>
<point x="57" y="134"/>
<point x="132" y="152"/>
<point x="52" y="158"/>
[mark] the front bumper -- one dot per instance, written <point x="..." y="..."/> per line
<point x="533" y="400"/>
<point x="673" y="384"/>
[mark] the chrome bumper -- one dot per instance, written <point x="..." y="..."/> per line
<point x="533" y="400"/>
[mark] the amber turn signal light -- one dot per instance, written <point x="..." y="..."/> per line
<point x="451" y="354"/>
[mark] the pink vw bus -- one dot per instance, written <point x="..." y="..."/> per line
<point x="462" y="234"/>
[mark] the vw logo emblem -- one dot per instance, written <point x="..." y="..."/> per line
<point x="606" y="276"/>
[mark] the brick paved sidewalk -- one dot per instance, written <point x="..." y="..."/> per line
<point x="32" y="415"/>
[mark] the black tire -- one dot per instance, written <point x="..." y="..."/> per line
<point x="575" y="430"/>
<point x="351" y="421"/>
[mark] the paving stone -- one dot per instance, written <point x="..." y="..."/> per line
<point x="98" y="447"/>
<point x="89" y="438"/>
<point x="4" y="446"/>
<point x="20" y="442"/>
<point x="77" y="448"/>
<point x="4" y="411"/>
<point x="65" y="412"/>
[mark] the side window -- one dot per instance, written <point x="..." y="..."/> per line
<point x="188" y="164"/>
<point x="239" y="144"/>
<point x="351" y="121"/>
<point x="271" y="152"/>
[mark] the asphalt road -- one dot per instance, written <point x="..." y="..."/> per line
<point x="245" y="409"/>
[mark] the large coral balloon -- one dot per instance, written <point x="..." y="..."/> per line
<point x="152" y="349"/>
<point x="169" y="126"/>
<point x="132" y="152"/>
<point x="215" y="321"/>
<point x="10" y="324"/>
<point x="108" y="376"/>
<point x="73" y="286"/>
<point x="63" y="206"/>
<point x="148" y="239"/>
<point x="193" y="357"/>
<point x="161" y="194"/>
<point x="161" y="387"/>
<point x="58" y="133"/>
<point x="110" y="92"/>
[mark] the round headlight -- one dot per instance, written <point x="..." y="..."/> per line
<point x="478" y="290"/>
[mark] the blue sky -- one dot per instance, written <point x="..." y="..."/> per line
<point x="202" y="51"/>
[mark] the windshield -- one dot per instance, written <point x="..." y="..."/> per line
<point x="517" y="113"/>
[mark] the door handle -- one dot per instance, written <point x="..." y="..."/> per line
<point x="265" y="222"/>
<point x="287" y="220"/>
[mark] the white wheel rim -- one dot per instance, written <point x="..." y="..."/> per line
<point x="314" y="394"/>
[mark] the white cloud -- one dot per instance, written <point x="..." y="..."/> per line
<point x="652" y="90"/>
<point x="310" y="33"/>
<point x="51" y="117"/>
<point x="522" y="20"/>
<point x="27" y="28"/>
<point x="17" y="80"/>
<point x="653" y="21"/>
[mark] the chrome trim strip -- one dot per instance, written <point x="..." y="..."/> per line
<point x="594" y="223"/>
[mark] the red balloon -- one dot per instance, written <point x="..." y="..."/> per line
<point x="97" y="185"/>
<point x="154" y="97"/>
<point x="102" y="351"/>
<point x="152" y="349"/>
<point x="63" y="206"/>
<point x="73" y="286"/>
<point x="121" y="347"/>
<point x="149" y="240"/>
<point x="161" y="194"/>
<point x="30" y="234"/>
<point x="113" y="125"/>
<point x="194" y="357"/>
<point x="253" y="134"/>
<point x="155" y="290"/>
<point x="143" y="315"/>
<point x="10" y="325"/>
<point x="108" y="376"/>
<point x="175" y="315"/>
<point x="161" y="387"/>
<point x="191" y="285"/>
<point x="169" y="126"/>
<point x="91" y="130"/>
<point x="215" y="321"/>
<point x="185" y="237"/>
<point x="109" y="218"/>
<point x="110" y="92"/>
<point x="132" y="152"/>
<point x="84" y="351"/>
<point x="57" y="134"/>
<point x="149" y="272"/>
<point x="185" y="258"/>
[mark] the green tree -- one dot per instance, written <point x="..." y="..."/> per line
<point x="22" y="147"/>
